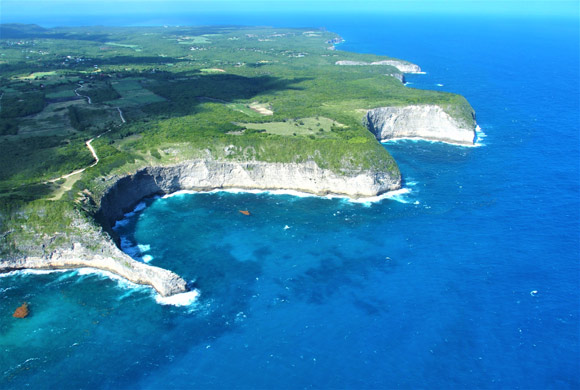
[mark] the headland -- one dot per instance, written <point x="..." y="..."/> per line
<point x="179" y="113"/>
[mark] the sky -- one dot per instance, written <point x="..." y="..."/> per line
<point x="24" y="11"/>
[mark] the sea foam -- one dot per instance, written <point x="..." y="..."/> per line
<point x="26" y="272"/>
<point x="183" y="299"/>
<point x="479" y="136"/>
<point x="144" y="247"/>
<point x="147" y="258"/>
<point x="121" y="282"/>
<point x="419" y="139"/>
<point x="395" y="195"/>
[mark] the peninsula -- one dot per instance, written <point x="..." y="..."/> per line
<point x="94" y="119"/>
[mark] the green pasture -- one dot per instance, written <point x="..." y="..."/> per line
<point x="320" y="127"/>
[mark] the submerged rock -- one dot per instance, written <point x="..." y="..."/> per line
<point x="21" y="312"/>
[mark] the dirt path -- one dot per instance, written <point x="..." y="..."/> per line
<point x="78" y="94"/>
<point x="121" y="115"/>
<point x="93" y="152"/>
<point x="91" y="149"/>
<point x="72" y="177"/>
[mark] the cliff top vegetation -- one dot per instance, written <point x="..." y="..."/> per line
<point x="143" y="96"/>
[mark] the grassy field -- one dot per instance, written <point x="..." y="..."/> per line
<point x="37" y="75"/>
<point x="134" y="47"/>
<point x="133" y="93"/>
<point x="53" y="120"/>
<point x="243" y="108"/>
<point x="195" y="40"/>
<point x="319" y="127"/>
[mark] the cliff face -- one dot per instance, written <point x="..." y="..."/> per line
<point x="210" y="174"/>
<point x="428" y="122"/>
<point x="405" y="67"/>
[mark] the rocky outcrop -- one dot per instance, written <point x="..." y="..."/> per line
<point x="206" y="174"/>
<point x="398" y="76"/>
<point x="403" y="66"/>
<point x="107" y="258"/>
<point x="429" y="122"/>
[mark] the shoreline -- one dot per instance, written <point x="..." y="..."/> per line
<point x="479" y="135"/>
<point x="125" y="192"/>
<point x="181" y="299"/>
<point x="360" y="200"/>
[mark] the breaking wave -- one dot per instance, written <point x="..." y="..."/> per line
<point x="183" y="299"/>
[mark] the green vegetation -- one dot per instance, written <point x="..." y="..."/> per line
<point x="100" y="92"/>
<point x="133" y="93"/>
<point x="16" y="105"/>
<point x="193" y="40"/>
<point x="163" y="95"/>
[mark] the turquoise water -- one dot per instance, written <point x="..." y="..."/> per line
<point x="470" y="279"/>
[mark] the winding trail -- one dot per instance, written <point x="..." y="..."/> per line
<point x="91" y="149"/>
<point x="78" y="94"/>
<point x="121" y="115"/>
<point x="93" y="152"/>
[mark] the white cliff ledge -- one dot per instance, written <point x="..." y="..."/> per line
<point x="207" y="174"/>
<point x="428" y="122"/>
<point x="403" y="66"/>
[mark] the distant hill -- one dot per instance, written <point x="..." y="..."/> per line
<point x="18" y="30"/>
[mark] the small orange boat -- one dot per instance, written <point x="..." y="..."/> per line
<point x="245" y="212"/>
<point x="21" y="312"/>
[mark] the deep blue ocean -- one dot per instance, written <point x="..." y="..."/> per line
<point x="469" y="280"/>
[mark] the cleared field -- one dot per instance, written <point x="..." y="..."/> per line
<point x="134" y="47"/>
<point x="261" y="108"/>
<point x="53" y="120"/>
<point x="34" y="75"/>
<point x="193" y="40"/>
<point x="134" y="94"/>
<point x="62" y="93"/>
<point x="306" y="126"/>
<point x="212" y="70"/>
<point x="243" y="108"/>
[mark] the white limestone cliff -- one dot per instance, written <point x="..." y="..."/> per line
<point x="403" y="66"/>
<point x="207" y="174"/>
<point x="428" y="122"/>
